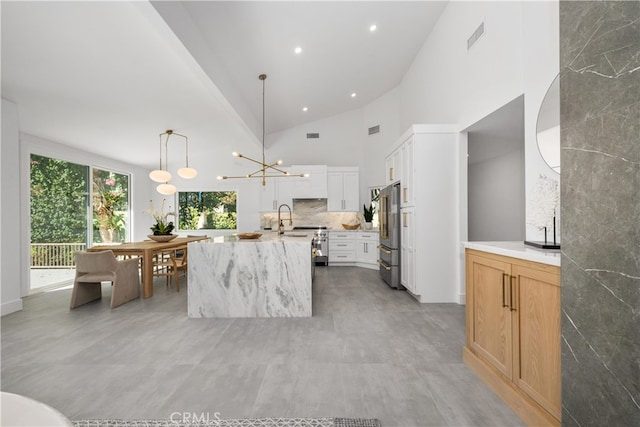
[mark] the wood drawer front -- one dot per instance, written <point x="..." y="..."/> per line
<point x="341" y="245"/>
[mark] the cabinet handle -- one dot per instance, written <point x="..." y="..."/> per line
<point x="341" y="245"/>
<point x="365" y="248"/>
<point x="390" y="174"/>
<point x="384" y="250"/>
<point x="404" y="219"/>
<point x="274" y="205"/>
<point x="404" y="194"/>
<point x="512" y="289"/>
<point x="504" y="276"/>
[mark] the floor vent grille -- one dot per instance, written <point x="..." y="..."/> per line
<point x="313" y="135"/>
<point x="374" y="129"/>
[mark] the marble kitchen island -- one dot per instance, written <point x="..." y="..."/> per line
<point x="266" y="277"/>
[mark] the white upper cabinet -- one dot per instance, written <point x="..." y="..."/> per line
<point x="407" y="180"/>
<point x="276" y="192"/>
<point x="284" y="190"/>
<point x="343" y="189"/>
<point x="393" y="164"/>
<point x="312" y="187"/>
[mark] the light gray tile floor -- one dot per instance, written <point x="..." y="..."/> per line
<point x="368" y="351"/>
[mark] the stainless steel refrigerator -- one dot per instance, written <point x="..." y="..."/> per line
<point x="389" y="220"/>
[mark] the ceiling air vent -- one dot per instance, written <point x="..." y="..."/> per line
<point x="374" y="129"/>
<point x="475" y="36"/>
<point x="313" y="135"/>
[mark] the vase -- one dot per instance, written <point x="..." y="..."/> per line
<point x="162" y="237"/>
<point x="368" y="225"/>
<point x="106" y="235"/>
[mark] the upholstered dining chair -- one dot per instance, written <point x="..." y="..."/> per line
<point x="93" y="268"/>
<point x="170" y="264"/>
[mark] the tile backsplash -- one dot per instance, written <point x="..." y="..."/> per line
<point x="311" y="212"/>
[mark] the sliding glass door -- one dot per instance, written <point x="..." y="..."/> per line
<point x="59" y="212"/>
<point x="72" y="206"/>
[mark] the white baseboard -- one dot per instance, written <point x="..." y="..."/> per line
<point x="10" y="307"/>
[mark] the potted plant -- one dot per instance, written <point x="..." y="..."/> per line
<point x="162" y="228"/>
<point x="368" y="216"/>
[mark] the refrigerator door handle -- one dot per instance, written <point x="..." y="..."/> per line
<point x="386" y="251"/>
<point x="384" y="217"/>
<point x="383" y="265"/>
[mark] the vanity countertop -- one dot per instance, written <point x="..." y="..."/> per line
<point x="518" y="250"/>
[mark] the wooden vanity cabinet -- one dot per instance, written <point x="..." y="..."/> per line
<point x="513" y="332"/>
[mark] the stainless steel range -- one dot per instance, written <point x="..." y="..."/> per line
<point x="320" y="241"/>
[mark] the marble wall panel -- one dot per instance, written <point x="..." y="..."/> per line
<point x="600" y="193"/>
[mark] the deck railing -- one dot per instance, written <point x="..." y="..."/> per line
<point x="55" y="255"/>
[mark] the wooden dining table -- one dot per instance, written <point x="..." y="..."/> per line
<point x="145" y="251"/>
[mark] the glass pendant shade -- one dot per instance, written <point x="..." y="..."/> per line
<point x="187" y="173"/>
<point x="166" y="189"/>
<point x="160" y="175"/>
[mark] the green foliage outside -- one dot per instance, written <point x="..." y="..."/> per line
<point x="58" y="201"/>
<point x="207" y="210"/>
<point x="110" y="203"/>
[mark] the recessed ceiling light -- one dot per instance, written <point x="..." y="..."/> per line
<point x="304" y="108"/>
<point x="373" y="27"/>
<point x="298" y="50"/>
<point x="353" y="95"/>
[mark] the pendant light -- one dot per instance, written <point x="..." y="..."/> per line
<point x="262" y="172"/>
<point x="162" y="175"/>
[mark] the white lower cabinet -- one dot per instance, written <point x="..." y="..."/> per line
<point x="342" y="247"/>
<point x="367" y="249"/>
<point x="355" y="248"/>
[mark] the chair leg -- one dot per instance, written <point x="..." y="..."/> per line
<point x="84" y="293"/>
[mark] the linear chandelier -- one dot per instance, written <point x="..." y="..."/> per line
<point x="162" y="175"/>
<point x="262" y="172"/>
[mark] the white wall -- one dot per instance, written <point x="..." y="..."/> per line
<point x="10" y="219"/>
<point x="344" y="141"/>
<point x="448" y="84"/>
<point x="496" y="196"/>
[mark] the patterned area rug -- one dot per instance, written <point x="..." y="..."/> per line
<point x="256" y="422"/>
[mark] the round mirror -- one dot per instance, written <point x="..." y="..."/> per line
<point x="548" y="126"/>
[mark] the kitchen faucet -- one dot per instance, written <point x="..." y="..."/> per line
<point x="280" y="226"/>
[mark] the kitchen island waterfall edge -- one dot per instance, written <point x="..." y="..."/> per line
<point x="266" y="277"/>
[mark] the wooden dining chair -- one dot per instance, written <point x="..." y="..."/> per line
<point x="171" y="264"/>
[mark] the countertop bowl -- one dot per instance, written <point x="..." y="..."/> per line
<point x="351" y="226"/>
<point x="249" y="235"/>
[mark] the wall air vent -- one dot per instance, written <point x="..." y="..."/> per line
<point x="475" y="36"/>
<point x="374" y="129"/>
<point x="313" y="135"/>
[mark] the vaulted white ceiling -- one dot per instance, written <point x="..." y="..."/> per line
<point x="108" y="77"/>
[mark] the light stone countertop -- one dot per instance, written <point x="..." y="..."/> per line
<point x="267" y="236"/>
<point x="518" y="250"/>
